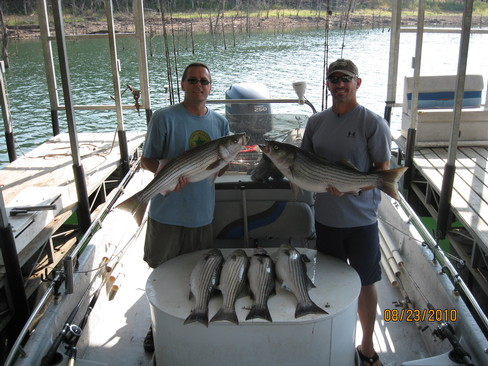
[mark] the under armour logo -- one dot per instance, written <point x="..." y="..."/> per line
<point x="351" y="134"/>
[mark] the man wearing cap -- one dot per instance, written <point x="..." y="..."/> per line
<point x="347" y="224"/>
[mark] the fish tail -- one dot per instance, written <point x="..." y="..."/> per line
<point x="390" y="180"/>
<point x="197" y="315"/>
<point x="223" y="314"/>
<point x="259" y="311"/>
<point x="308" y="307"/>
<point x="135" y="206"/>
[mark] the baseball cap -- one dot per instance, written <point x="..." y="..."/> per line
<point x="344" y="66"/>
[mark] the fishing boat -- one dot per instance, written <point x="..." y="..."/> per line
<point x="99" y="298"/>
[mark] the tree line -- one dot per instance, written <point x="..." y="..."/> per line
<point x="80" y="7"/>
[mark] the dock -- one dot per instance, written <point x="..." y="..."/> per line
<point x="468" y="233"/>
<point x="44" y="177"/>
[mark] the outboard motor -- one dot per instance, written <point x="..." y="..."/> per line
<point x="255" y="118"/>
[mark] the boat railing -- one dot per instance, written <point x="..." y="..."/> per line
<point x="300" y="101"/>
<point x="444" y="261"/>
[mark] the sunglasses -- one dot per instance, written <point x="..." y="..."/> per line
<point x="344" y="79"/>
<point x="194" y="81"/>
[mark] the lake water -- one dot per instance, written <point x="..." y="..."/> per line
<point x="274" y="59"/>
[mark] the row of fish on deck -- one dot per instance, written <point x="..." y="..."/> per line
<point x="238" y="273"/>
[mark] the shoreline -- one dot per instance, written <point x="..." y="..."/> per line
<point x="125" y="24"/>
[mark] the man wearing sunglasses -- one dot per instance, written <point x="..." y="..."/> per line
<point x="347" y="224"/>
<point x="181" y="221"/>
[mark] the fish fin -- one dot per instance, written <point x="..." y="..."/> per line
<point x="308" y="307"/>
<point x="259" y="311"/>
<point x="214" y="165"/>
<point x="310" y="284"/>
<point x="305" y="258"/>
<point x="389" y="181"/>
<point x="135" y="206"/>
<point x="197" y="315"/>
<point x="295" y="189"/>
<point x="347" y="164"/>
<point x="245" y="290"/>
<point x="285" y="286"/>
<point x="228" y="315"/>
<point x="213" y="177"/>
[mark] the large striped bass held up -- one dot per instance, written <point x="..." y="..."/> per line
<point x="291" y="271"/>
<point x="261" y="276"/>
<point x="204" y="279"/>
<point x="232" y="281"/>
<point x="195" y="164"/>
<point x="316" y="174"/>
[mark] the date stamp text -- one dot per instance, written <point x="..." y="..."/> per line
<point x="420" y="315"/>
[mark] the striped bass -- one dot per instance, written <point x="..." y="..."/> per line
<point x="232" y="280"/>
<point x="262" y="277"/>
<point x="204" y="279"/>
<point x="315" y="174"/>
<point x="195" y="164"/>
<point x="291" y="271"/>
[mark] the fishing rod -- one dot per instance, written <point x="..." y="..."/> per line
<point x="444" y="330"/>
<point x="71" y="339"/>
<point x="326" y="57"/>
<point x="67" y="331"/>
<point x="71" y="333"/>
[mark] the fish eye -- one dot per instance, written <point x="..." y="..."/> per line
<point x="276" y="147"/>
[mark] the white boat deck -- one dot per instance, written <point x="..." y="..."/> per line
<point x="116" y="329"/>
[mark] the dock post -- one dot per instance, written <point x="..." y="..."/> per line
<point x="450" y="167"/>
<point x="15" y="279"/>
<point x="7" y="119"/>
<point x="408" y="176"/>
<point x="124" y="152"/>
<point x="79" y="174"/>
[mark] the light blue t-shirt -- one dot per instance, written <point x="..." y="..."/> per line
<point x="360" y="136"/>
<point x="171" y="132"/>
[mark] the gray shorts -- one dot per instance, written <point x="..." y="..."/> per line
<point x="164" y="242"/>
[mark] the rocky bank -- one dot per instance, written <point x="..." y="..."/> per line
<point x="237" y="24"/>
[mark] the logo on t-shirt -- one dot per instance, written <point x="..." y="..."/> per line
<point x="198" y="138"/>
<point x="351" y="134"/>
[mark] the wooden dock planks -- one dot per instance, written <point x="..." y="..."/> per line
<point x="470" y="191"/>
<point x="45" y="175"/>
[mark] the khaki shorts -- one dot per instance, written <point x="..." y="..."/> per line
<point x="164" y="242"/>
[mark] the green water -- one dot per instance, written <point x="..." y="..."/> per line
<point x="274" y="59"/>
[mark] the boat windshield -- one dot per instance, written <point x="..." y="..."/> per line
<point x="284" y="127"/>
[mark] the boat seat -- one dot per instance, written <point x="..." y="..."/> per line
<point x="435" y="110"/>
<point x="274" y="216"/>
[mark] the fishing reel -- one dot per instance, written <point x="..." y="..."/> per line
<point x="73" y="332"/>
<point x="458" y="354"/>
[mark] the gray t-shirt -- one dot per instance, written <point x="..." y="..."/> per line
<point x="361" y="137"/>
